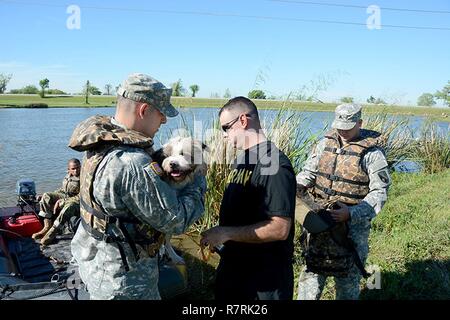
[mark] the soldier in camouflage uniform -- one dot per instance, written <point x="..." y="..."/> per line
<point x="59" y="206"/>
<point x="348" y="167"/>
<point x="125" y="206"/>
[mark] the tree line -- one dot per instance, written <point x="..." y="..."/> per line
<point x="426" y="99"/>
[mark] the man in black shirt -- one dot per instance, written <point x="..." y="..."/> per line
<point x="256" y="224"/>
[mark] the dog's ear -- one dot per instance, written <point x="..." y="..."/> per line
<point x="167" y="148"/>
<point x="159" y="156"/>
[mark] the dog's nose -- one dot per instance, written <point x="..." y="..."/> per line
<point x="173" y="165"/>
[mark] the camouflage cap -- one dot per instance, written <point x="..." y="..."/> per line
<point x="346" y="116"/>
<point x="143" y="88"/>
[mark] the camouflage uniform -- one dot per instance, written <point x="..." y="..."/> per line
<point x="127" y="184"/>
<point x="375" y="165"/>
<point x="70" y="205"/>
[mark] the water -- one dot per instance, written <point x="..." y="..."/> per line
<point x="33" y="142"/>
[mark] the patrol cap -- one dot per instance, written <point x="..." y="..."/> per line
<point x="316" y="222"/>
<point x="346" y="116"/>
<point x="143" y="88"/>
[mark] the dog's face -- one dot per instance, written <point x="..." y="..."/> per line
<point x="181" y="158"/>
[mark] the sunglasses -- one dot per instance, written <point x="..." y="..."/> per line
<point x="228" y="125"/>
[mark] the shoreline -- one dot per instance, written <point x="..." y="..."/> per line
<point x="27" y="102"/>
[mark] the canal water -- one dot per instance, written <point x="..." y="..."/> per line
<point x="33" y="142"/>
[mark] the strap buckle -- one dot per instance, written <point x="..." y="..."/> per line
<point x="332" y="177"/>
<point x="329" y="192"/>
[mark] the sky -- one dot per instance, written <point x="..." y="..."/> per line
<point x="281" y="47"/>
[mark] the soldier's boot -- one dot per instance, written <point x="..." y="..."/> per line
<point x="40" y="234"/>
<point x="50" y="236"/>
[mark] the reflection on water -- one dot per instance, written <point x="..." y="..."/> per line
<point x="407" y="166"/>
<point x="33" y="142"/>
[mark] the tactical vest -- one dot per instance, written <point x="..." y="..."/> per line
<point x="98" y="136"/>
<point x="340" y="177"/>
<point x="71" y="186"/>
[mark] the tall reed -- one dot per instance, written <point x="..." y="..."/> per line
<point x="431" y="148"/>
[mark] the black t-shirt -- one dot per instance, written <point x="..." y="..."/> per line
<point x="262" y="184"/>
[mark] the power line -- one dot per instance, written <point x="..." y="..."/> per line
<point x="329" y="4"/>
<point x="233" y="15"/>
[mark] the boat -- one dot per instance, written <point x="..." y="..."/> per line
<point x="29" y="271"/>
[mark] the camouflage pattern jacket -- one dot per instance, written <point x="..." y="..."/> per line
<point x="373" y="164"/>
<point x="71" y="189"/>
<point x="127" y="185"/>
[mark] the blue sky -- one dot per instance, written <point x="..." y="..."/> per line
<point x="219" y="51"/>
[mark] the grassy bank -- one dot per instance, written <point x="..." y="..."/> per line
<point x="409" y="241"/>
<point x="17" y="101"/>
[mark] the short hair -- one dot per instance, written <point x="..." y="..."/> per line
<point x="242" y="104"/>
<point x="75" y="161"/>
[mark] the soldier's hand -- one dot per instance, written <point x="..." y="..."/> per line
<point x="341" y="213"/>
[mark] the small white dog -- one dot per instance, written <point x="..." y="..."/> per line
<point x="181" y="158"/>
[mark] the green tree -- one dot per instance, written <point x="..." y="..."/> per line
<point x="444" y="94"/>
<point x="55" y="91"/>
<point x="86" y="92"/>
<point x="256" y="94"/>
<point x="108" y="88"/>
<point x="44" y="83"/>
<point x="4" y="79"/>
<point x="30" y="89"/>
<point x="371" y="99"/>
<point x="347" y="99"/>
<point x="227" y="94"/>
<point x="177" y="89"/>
<point x="194" y="88"/>
<point x="426" y="99"/>
<point x="94" y="91"/>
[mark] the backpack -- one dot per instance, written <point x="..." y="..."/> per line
<point x="327" y="248"/>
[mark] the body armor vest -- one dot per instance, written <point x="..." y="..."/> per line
<point x="98" y="136"/>
<point x="340" y="176"/>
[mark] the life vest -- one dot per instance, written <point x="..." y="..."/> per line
<point x="98" y="136"/>
<point x="340" y="177"/>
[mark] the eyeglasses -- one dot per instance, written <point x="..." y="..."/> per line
<point x="228" y="125"/>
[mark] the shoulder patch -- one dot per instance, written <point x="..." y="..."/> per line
<point x="156" y="168"/>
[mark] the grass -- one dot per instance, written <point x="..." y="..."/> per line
<point x="15" y="101"/>
<point x="410" y="239"/>
<point x="431" y="149"/>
